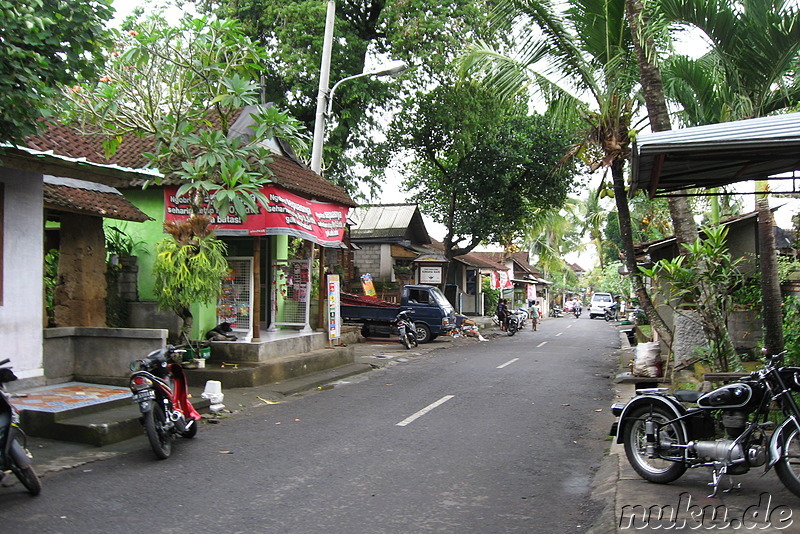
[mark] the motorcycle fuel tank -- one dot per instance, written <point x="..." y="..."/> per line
<point x="730" y="396"/>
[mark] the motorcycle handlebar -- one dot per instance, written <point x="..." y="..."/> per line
<point x="3" y="362"/>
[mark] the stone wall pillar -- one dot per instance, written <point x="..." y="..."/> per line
<point x="81" y="290"/>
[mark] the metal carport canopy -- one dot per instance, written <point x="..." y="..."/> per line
<point x="715" y="155"/>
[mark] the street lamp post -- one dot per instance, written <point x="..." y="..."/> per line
<point x="325" y="97"/>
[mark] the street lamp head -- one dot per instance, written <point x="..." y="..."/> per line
<point x="389" y="69"/>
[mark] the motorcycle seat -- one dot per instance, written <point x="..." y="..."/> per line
<point x="687" y="395"/>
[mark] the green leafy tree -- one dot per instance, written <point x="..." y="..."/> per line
<point x="45" y="45"/>
<point x="549" y="236"/>
<point x="684" y="285"/>
<point x="183" y="86"/>
<point x="424" y="34"/>
<point x="476" y="164"/>
<point x="580" y="58"/>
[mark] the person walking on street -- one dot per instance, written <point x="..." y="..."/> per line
<point x="534" y="309"/>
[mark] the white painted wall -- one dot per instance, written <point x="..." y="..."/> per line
<point x="22" y="311"/>
<point x="387" y="263"/>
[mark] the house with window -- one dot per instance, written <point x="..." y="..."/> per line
<point x="273" y="283"/>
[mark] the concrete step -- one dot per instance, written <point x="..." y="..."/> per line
<point x="106" y="423"/>
<point x="241" y="374"/>
<point x="117" y="420"/>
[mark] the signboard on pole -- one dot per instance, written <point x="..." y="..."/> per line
<point x="430" y="275"/>
<point x="334" y="311"/>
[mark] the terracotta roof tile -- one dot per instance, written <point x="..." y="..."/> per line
<point x="74" y="196"/>
<point x="289" y="174"/>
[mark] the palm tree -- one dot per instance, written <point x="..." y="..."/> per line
<point x="590" y="58"/>
<point x="551" y="235"/>
<point x="748" y="72"/>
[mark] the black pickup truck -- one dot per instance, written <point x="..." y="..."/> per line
<point x="432" y="312"/>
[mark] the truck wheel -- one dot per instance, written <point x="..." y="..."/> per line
<point x="423" y="333"/>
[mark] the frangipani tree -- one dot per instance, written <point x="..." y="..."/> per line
<point x="183" y="86"/>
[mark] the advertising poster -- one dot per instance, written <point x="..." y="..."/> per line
<point x="369" y="287"/>
<point x="334" y="299"/>
<point x="286" y="214"/>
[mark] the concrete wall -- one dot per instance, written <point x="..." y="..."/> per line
<point x="96" y="355"/>
<point x="22" y="309"/>
<point x="368" y="259"/>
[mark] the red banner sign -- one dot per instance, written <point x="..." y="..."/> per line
<point x="285" y="214"/>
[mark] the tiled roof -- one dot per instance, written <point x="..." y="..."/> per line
<point x="473" y="259"/>
<point x="89" y="198"/>
<point x="288" y="173"/>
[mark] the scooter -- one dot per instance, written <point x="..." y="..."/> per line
<point x="522" y="317"/>
<point x="555" y="311"/>
<point x="14" y="455"/>
<point x="577" y="311"/>
<point x="406" y="329"/>
<point x="159" y="388"/>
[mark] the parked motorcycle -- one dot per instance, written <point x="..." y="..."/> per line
<point x="14" y="455"/>
<point x="159" y="387"/>
<point x="522" y="316"/>
<point x="555" y="311"/>
<point x="406" y="328"/>
<point x="663" y="437"/>
<point x="513" y="323"/>
<point x="611" y="313"/>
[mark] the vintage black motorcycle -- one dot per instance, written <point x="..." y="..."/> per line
<point x="751" y="423"/>
<point x="14" y="455"/>
<point x="406" y="329"/>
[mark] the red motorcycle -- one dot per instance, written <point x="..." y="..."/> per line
<point x="159" y="387"/>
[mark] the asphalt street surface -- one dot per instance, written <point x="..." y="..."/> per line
<point x="501" y="436"/>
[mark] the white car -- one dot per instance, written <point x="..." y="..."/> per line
<point x="599" y="303"/>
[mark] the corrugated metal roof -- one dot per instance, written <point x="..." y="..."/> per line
<point x="389" y="221"/>
<point x="716" y="154"/>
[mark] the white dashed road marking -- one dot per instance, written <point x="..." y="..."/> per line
<point x="425" y="410"/>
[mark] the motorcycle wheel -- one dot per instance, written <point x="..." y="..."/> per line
<point x="413" y="338"/>
<point x="512" y="328"/>
<point x="26" y="475"/>
<point x="788" y="467"/>
<point x="157" y="433"/>
<point x="635" y="441"/>
<point x="405" y="340"/>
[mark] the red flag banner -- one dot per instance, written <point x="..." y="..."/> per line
<point x="286" y="214"/>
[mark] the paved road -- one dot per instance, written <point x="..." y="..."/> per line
<point x="495" y="437"/>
